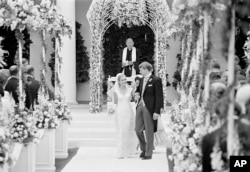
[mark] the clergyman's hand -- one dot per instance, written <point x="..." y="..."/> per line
<point x="124" y="64"/>
<point x="156" y="116"/>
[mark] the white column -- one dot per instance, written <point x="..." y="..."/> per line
<point x="68" y="53"/>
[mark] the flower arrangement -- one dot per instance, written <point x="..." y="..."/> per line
<point x="135" y="12"/>
<point x="62" y="110"/>
<point x="21" y="14"/>
<point x="45" y="114"/>
<point x="246" y="46"/>
<point x="111" y="108"/>
<point x="187" y="129"/>
<point x="53" y="21"/>
<point x="22" y="128"/>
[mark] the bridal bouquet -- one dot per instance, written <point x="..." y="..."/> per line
<point x="45" y="114"/>
<point x="22" y="128"/>
<point x="62" y="110"/>
<point x="111" y="108"/>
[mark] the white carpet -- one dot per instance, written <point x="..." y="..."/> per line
<point x="96" y="159"/>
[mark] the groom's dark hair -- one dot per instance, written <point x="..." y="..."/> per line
<point x="146" y="65"/>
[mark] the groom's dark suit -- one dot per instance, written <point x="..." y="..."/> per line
<point x="151" y="101"/>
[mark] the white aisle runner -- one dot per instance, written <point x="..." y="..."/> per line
<point x="92" y="157"/>
<point x="102" y="160"/>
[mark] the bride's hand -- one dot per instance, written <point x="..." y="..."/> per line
<point x="137" y="96"/>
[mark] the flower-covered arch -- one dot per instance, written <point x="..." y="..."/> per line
<point x="103" y="13"/>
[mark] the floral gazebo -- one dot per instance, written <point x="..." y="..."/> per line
<point x="103" y="13"/>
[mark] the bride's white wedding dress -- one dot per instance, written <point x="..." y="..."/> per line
<point x="125" y="124"/>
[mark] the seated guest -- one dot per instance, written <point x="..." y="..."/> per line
<point x="215" y="76"/>
<point x="243" y="98"/>
<point x="241" y="80"/>
<point x="238" y="70"/>
<point x="215" y="67"/>
<point x="12" y="83"/>
<point x="236" y="59"/>
<point x="25" y="62"/>
<point x="5" y="107"/>
<point x="28" y="99"/>
<point x="219" y="135"/>
<point x="224" y="77"/>
<point x="34" y="86"/>
<point x="4" y="75"/>
<point x="248" y="75"/>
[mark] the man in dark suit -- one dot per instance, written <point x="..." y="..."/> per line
<point x="150" y="97"/>
<point x="12" y="83"/>
<point x="34" y="86"/>
<point x="219" y="135"/>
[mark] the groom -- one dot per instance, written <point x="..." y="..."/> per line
<point x="150" y="97"/>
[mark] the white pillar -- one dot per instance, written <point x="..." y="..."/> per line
<point x="68" y="53"/>
<point x="36" y="53"/>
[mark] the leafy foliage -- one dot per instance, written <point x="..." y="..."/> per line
<point x="82" y="58"/>
<point x="11" y="45"/>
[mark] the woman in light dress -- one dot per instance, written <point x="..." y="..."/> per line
<point x="125" y="118"/>
<point x="6" y="100"/>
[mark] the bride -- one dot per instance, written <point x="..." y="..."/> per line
<point x="125" y="118"/>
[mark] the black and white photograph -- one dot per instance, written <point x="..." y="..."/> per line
<point x="124" y="85"/>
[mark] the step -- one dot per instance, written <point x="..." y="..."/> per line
<point x="92" y="124"/>
<point x="99" y="142"/>
<point x="92" y="133"/>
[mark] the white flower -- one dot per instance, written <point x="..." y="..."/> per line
<point x="187" y="130"/>
<point x="195" y="150"/>
<point x="180" y="156"/>
<point x="15" y="134"/>
<point x="52" y="125"/>
<point x="193" y="167"/>
<point x="191" y="141"/>
<point x="196" y="136"/>
<point x="180" y="127"/>
<point x="1" y="22"/>
<point x="217" y="163"/>
<point x="13" y="25"/>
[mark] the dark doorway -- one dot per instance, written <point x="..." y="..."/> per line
<point x="114" y="40"/>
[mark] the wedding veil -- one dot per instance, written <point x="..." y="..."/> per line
<point x="116" y="86"/>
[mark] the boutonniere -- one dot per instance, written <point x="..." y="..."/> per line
<point x="150" y="80"/>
